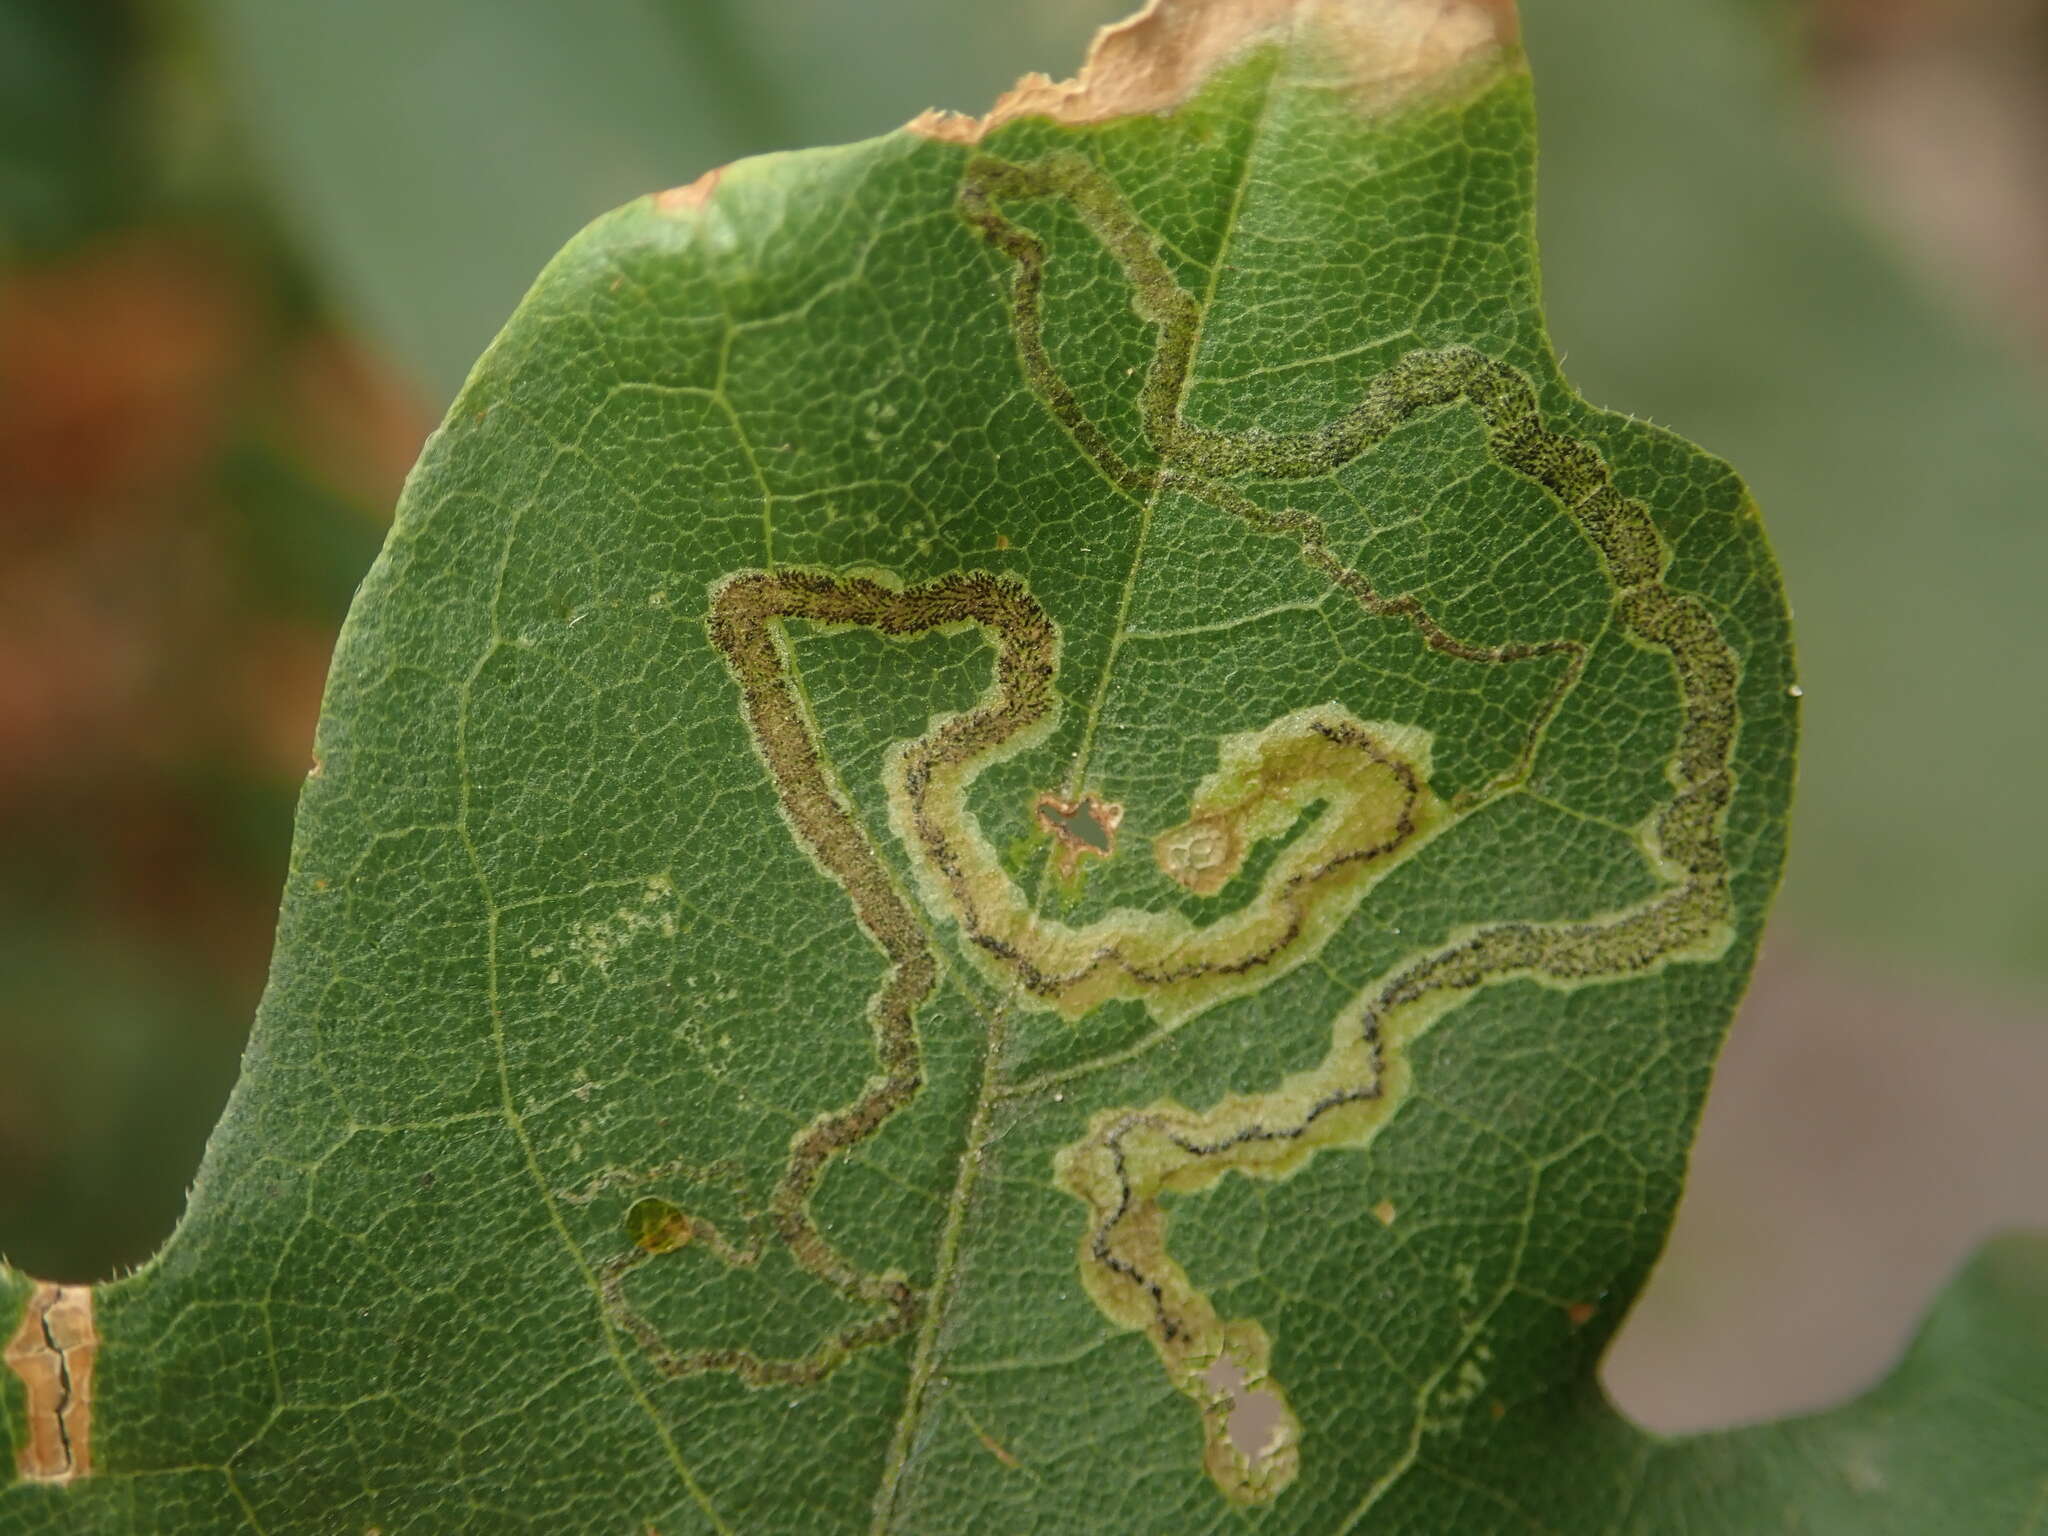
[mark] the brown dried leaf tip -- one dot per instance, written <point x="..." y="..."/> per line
<point x="1387" y="50"/>
<point x="52" y="1352"/>
<point x="691" y="196"/>
<point x="1084" y="826"/>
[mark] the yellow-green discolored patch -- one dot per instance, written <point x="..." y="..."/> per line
<point x="656" y="1225"/>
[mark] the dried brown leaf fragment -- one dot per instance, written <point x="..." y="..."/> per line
<point x="53" y="1352"/>
<point x="1389" y="51"/>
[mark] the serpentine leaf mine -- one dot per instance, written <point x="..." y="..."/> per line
<point x="1367" y="781"/>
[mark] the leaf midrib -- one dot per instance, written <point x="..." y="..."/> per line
<point x="991" y="1088"/>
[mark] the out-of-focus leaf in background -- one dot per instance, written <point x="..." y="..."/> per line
<point x="195" y="466"/>
<point x="64" y="118"/>
<point x="433" y="157"/>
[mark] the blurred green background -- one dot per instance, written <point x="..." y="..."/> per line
<point x="248" y="248"/>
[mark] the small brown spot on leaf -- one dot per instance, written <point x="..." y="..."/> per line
<point x="1580" y="1313"/>
<point x="1385" y="1213"/>
<point x="995" y="1449"/>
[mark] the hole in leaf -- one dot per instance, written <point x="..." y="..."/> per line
<point x="1255" y="1419"/>
<point x="1084" y="826"/>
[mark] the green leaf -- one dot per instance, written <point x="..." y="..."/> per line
<point x="431" y="157"/>
<point x="67" y="129"/>
<point x="1952" y="1442"/>
<point x="1025" y="830"/>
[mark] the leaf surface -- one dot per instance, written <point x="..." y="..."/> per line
<point x="1025" y="830"/>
